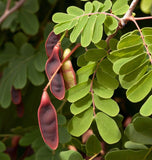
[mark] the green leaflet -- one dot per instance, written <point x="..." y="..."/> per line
<point x="145" y="6"/>
<point x="31" y="6"/>
<point x="140" y="89"/>
<point x="64" y="136"/>
<point x="98" y="28"/>
<point x="101" y="91"/>
<point x="61" y="27"/>
<point x="106" y="79"/>
<point x="146" y="109"/>
<point x="78" y="28"/>
<point x="125" y="52"/>
<point x="89" y="28"/>
<point x="81" y="61"/>
<point x="106" y="66"/>
<point x="129" y="41"/>
<point x="84" y="72"/>
<point x="80" y="123"/>
<point x="135" y="136"/>
<point x="81" y="105"/>
<point x="134" y="145"/>
<point x="95" y="54"/>
<point x="2" y="147"/>
<point x="132" y="64"/>
<point x="146" y="123"/>
<point x="110" y="23"/>
<point x="93" y="146"/>
<point x="97" y="5"/>
<point x="107" y="128"/>
<point x="126" y="155"/>
<point x="107" y="5"/>
<point x="120" y="7"/>
<point x="88" y="7"/>
<point x="107" y="106"/>
<point x="70" y="155"/>
<point x="29" y="22"/>
<point x="10" y="52"/>
<point x="146" y="31"/>
<point x="126" y="65"/>
<point x="62" y="17"/>
<point x="128" y="80"/>
<point x="72" y="10"/>
<point x="148" y="39"/>
<point x="4" y="156"/>
<point x="79" y="91"/>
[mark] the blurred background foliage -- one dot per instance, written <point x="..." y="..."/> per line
<point x="22" y="62"/>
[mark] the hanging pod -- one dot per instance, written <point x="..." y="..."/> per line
<point x="57" y="86"/>
<point x="68" y="71"/>
<point x="51" y="41"/>
<point x="48" y="124"/>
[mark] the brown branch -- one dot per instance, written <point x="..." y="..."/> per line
<point x="91" y="87"/>
<point x="142" y="18"/>
<point x="144" y="43"/>
<point x="125" y="19"/>
<point x="8" y="11"/>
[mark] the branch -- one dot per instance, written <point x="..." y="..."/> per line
<point x="144" y="43"/>
<point x="8" y="11"/>
<point x="128" y="14"/>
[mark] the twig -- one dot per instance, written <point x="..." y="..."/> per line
<point x="142" y="18"/>
<point x="125" y="19"/>
<point x="8" y="11"/>
<point x="93" y="157"/>
<point x="144" y="43"/>
<point x="8" y="5"/>
<point x="91" y="87"/>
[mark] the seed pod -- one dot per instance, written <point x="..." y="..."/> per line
<point x="20" y="110"/>
<point x="51" y="41"/>
<point x="48" y="124"/>
<point x="68" y="72"/>
<point x="16" y="96"/>
<point x="57" y="87"/>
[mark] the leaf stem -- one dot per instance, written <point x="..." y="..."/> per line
<point x="142" y="18"/>
<point x="147" y="154"/>
<point x="73" y="50"/>
<point x="144" y="43"/>
<point x="8" y="11"/>
<point x="62" y="104"/>
<point x="93" y="157"/>
<point x="91" y="87"/>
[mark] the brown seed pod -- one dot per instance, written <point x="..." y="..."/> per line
<point x="48" y="124"/>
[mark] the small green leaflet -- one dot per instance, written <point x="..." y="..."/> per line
<point x="70" y="155"/>
<point x="93" y="145"/>
<point x="120" y="7"/>
<point x="80" y="123"/>
<point x="79" y="91"/>
<point x="81" y="105"/>
<point x="107" y="128"/>
<point x="146" y="109"/>
<point x="107" y="106"/>
<point x="134" y="145"/>
<point x="140" y="89"/>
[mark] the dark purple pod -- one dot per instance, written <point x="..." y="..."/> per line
<point x="57" y="86"/>
<point x="48" y="124"/>
<point x="20" y="110"/>
<point x="16" y="96"/>
<point x="51" y="41"/>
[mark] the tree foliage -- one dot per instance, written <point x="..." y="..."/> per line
<point x="107" y="114"/>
